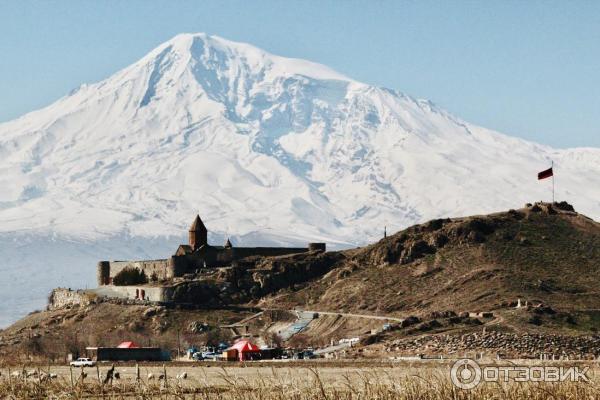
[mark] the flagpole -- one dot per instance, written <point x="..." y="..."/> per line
<point x="552" y="181"/>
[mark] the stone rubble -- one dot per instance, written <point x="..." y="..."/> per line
<point x="529" y="345"/>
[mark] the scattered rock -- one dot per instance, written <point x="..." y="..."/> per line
<point x="370" y="339"/>
<point x="442" y="314"/>
<point x="428" y="325"/>
<point x="150" y="312"/>
<point x="198" y="327"/>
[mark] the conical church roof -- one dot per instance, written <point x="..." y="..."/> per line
<point x="197" y="225"/>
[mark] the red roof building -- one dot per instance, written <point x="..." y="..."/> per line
<point x="128" y="345"/>
<point x="246" y="350"/>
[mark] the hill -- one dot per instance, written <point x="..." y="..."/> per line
<point x="530" y="271"/>
<point x="543" y="253"/>
<point x="269" y="150"/>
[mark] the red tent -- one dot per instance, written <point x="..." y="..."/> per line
<point x="246" y="350"/>
<point x="128" y="345"/>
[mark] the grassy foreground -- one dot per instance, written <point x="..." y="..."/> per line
<point x="408" y="382"/>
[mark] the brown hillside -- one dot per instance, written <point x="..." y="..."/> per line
<point x="541" y="254"/>
<point x="49" y="335"/>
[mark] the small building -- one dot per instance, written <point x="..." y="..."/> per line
<point x="245" y="350"/>
<point x="269" y="353"/>
<point x="127" y="351"/>
<point x="230" y="355"/>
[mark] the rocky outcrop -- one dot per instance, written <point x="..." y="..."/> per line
<point x="419" y="241"/>
<point x="509" y="344"/>
<point x="196" y="292"/>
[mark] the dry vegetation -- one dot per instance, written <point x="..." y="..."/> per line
<point x="48" y="336"/>
<point x="541" y="253"/>
<point x="404" y="382"/>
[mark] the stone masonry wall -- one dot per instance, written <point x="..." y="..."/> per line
<point x="160" y="268"/>
<point x="151" y="293"/>
<point x="62" y="297"/>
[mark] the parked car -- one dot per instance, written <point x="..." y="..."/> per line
<point x="83" y="362"/>
<point x="308" y="354"/>
<point x="210" y="355"/>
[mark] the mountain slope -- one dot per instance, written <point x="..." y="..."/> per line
<point x="267" y="149"/>
<point x="540" y="254"/>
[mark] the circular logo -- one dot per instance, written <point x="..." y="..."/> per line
<point x="465" y="374"/>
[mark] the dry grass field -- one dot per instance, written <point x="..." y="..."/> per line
<point x="401" y="380"/>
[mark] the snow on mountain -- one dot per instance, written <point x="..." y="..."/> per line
<point x="267" y="149"/>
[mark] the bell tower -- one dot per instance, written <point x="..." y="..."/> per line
<point x="198" y="234"/>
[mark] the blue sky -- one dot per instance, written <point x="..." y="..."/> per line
<point x="525" y="68"/>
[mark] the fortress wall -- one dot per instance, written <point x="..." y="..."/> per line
<point x="317" y="247"/>
<point x="214" y="257"/>
<point x="62" y="297"/>
<point x="151" y="293"/>
<point x="241" y="252"/>
<point x="108" y="269"/>
<point x="226" y="256"/>
<point x="103" y="273"/>
<point x="180" y="265"/>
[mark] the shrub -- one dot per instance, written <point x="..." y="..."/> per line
<point x="563" y="205"/>
<point x="130" y="276"/>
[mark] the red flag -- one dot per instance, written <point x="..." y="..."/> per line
<point x="545" y="174"/>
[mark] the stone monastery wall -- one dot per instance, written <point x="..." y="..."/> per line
<point x="107" y="270"/>
<point x="62" y="297"/>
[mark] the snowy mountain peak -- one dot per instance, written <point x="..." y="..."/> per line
<point x="266" y="149"/>
<point x="217" y="53"/>
<point x="256" y="143"/>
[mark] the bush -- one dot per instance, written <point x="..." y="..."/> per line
<point x="130" y="276"/>
<point x="563" y="205"/>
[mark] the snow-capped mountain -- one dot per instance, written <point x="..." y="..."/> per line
<point x="267" y="149"/>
